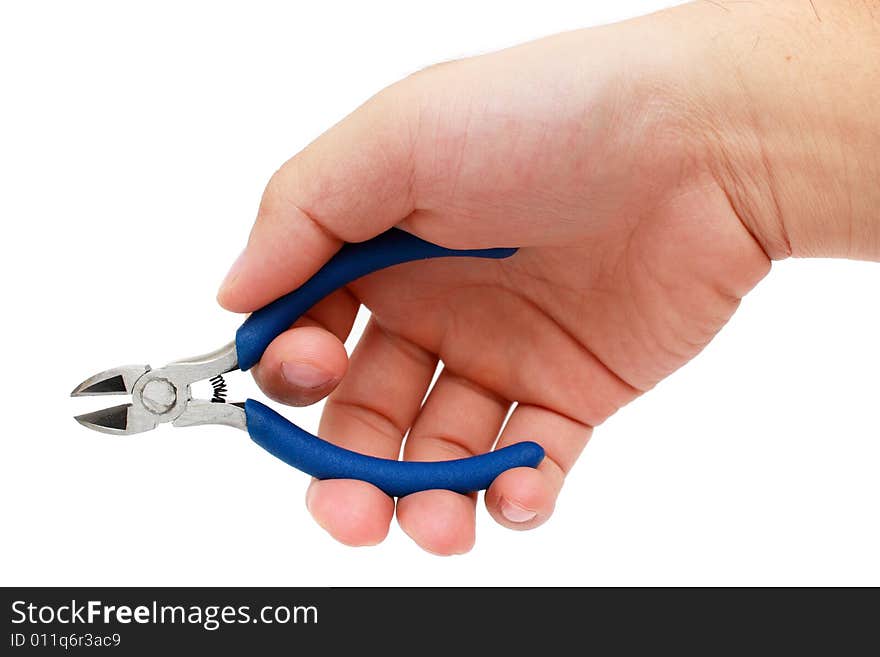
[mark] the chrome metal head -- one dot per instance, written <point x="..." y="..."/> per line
<point x="161" y="395"/>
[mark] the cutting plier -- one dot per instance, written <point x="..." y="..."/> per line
<point x="164" y="395"/>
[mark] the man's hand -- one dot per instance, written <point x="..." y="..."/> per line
<point x="648" y="171"/>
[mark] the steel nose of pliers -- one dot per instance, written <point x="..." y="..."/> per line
<point x="164" y="395"/>
<point x="116" y="381"/>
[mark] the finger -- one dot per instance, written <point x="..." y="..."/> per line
<point x="458" y="419"/>
<point x="336" y="313"/>
<point x="301" y="366"/>
<point x="523" y="498"/>
<point x="350" y="184"/>
<point x="306" y="363"/>
<point x="370" y="412"/>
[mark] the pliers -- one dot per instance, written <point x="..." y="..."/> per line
<point x="163" y="395"/>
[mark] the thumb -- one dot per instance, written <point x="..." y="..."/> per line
<point x="489" y="151"/>
<point x="352" y="183"/>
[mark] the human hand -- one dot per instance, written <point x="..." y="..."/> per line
<point x="649" y="171"/>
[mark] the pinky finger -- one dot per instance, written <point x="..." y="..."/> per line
<point x="524" y="498"/>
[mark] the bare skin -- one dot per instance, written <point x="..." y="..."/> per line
<point x="649" y="171"/>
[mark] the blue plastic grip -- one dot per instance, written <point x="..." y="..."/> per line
<point x="324" y="460"/>
<point x="354" y="260"/>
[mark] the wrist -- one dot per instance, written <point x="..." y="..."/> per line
<point x="790" y="104"/>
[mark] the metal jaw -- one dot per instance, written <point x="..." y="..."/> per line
<point x="161" y="395"/>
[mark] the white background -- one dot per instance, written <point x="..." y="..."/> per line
<point x="135" y="141"/>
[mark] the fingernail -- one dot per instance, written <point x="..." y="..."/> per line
<point x="516" y="513"/>
<point x="303" y="375"/>
<point x="233" y="272"/>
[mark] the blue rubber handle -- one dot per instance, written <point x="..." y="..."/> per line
<point x="324" y="460"/>
<point x="352" y="261"/>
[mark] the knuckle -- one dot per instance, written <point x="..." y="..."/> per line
<point x="276" y="191"/>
